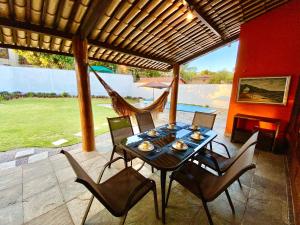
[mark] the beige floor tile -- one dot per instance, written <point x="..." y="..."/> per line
<point x="35" y="170"/>
<point x="78" y="205"/>
<point x="39" y="185"/>
<point x="60" y="162"/>
<point x="57" y="216"/>
<point x="65" y="174"/>
<point x="71" y="189"/>
<point x="11" y="196"/>
<point x="10" y="178"/>
<point x="42" y="203"/>
<point x="12" y="214"/>
<point x="82" y="156"/>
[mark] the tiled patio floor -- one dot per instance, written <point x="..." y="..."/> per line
<point x="44" y="192"/>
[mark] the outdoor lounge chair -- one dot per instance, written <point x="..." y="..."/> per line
<point x="208" y="186"/>
<point x="218" y="162"/>
<point x="145" y="121"/>
<point x="119" y="193"/>
<point x="120" y="128"/>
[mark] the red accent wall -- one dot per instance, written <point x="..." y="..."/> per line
<point x="268" y="46"/>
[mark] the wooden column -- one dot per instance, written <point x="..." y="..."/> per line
<point x="174" y="94"/>
<point x="84" y="93"/>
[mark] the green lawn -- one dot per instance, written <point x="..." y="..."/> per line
<point x="37" y="122"/>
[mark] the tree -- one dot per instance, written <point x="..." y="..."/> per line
<point x="138" y="73"/>
<point x="67" y="62"/>
<point x="188" y="73"/>
<point x="55" y="61"/>
<point x="222" y="77"/>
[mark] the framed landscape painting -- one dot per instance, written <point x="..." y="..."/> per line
<point x="265" y="90"/>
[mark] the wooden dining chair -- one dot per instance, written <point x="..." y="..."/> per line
<point x="208" y="186"/>
<point x="220" y="163"/>
<point x="119" y="193"/>
<point x="206" y="120"/>
<point x="120" y="128"/>
<point x="145" y="121"/>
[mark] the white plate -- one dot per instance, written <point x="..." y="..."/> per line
<point x="185" y="147"/>
<point x="150" y="148"/>
<point x="196" y="139"/>
<point x="169" y="128"/>
<point x="155" y="135"/>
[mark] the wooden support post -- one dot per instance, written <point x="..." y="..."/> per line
<point x="84" y="93"/>
<point x="174" y="95"/>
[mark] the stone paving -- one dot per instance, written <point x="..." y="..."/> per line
<point x="44" y="192"/>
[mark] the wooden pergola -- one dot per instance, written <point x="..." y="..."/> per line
<point x="150" y="34"/>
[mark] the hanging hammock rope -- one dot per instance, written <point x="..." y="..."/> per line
<point x="122" y="107"/>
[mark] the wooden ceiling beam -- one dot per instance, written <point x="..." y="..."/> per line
<point x="112" y="16"/>
<point x="95" y="12"/>
<point x="131" y="65"/>
<point x="60" y="34"/>
<point x="1" y="36"/>
<point x="73" y="12"/>
<point x="203" y="18"/>
<point x="13" y="24"/>
<point x="129" y="52"/>
<point x="69" y="54"/>
<point x="33" y="49"/>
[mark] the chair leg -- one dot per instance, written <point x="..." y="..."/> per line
<point x="87" y="210"/>
<point x="207" y="213"/>
<point x="169" y="190"/>
<point x="240" y="183"/>
<point x="210" y="146"/>
<point x="122" y="222"/>
<point x="155" y="201"/>
<point x="112" y="156"/>
<point x="230" y="202"/>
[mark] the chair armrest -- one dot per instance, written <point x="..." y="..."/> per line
<point x="226" y="149"/>
<point x="106" y="165"/>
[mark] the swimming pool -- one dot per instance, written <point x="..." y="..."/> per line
<point x="187" y="108"/>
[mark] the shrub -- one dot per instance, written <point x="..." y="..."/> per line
<point x="51" y="95"/>
<point x="16" y="94"/>
<point x="65" y="94"/>
<point x="29" y="94"/>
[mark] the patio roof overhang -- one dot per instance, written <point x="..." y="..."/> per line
<point x="151" y="34"/>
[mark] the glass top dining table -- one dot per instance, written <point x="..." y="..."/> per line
<point x="164" y="157"/>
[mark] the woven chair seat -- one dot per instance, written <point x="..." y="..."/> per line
<point x="117" y="189"/>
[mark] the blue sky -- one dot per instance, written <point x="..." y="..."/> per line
<point x="222" y="58"/>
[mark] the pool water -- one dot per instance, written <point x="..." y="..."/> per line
<point x="188" y="108"/>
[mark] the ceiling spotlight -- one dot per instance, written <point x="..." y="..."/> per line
<point x="189" y="16"/>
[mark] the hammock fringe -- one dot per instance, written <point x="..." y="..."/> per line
<point x="123" y="108"/>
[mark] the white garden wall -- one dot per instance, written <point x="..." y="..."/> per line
<point x="214" y="95"/>
<point x="28" y="79"/>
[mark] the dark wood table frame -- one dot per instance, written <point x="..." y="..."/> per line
<point x="166" y="162"/>
<point x="237" y="117"/>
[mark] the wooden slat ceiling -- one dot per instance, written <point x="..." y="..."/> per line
<point x="152" y="34"/>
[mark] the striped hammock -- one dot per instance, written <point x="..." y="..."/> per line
<point x="123" y="108"/>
